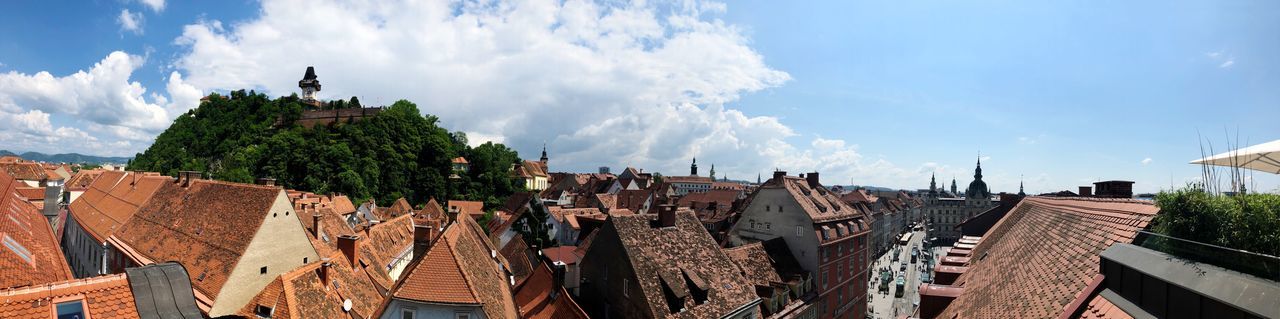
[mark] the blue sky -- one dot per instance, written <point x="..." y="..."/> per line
<point x="880" y="93"/>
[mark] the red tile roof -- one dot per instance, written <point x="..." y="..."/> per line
<point x="522" y="260"/>
<point x="459" y="160"/>
<point x="102" y="297"/>
<point x="460" y="269"/>
<point x="112" y="199"/>
<point x="540" y="298"/>
<point x="1101" y="308"/>
<point x="302" y="293"/>
<point x="205" y="227"/>
<point x="24" y="170"/>
<point x="82" y="179"/>
<point x="1038" y="258"/>
<point x="387" y="241"/>
<point x="32" y="194"/>
<point x="29" y="252"/>
<point x="659" y="256"/>
<point x="472" y="208"/>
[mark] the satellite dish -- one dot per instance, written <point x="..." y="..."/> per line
<point x="346" y="305"/>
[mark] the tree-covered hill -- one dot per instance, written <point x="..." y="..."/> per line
<point x="398" y="153"/>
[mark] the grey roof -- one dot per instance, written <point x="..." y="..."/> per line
<point x="1246" y="292"/>
<point x="162" y="291"/>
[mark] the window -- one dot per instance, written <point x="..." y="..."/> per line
<point x="263" y="311"/>
<point x="779" y="208"/>
<point x="766" y="208"/>
<point x="406" y="313"/>
<point x="304" y="260"/>
<point x="799" y="230"/>
<point x="263" y="270"/>
<point x="70" y="310"/>
<point x="625" y="283"/>
<point x="462" y="316"/>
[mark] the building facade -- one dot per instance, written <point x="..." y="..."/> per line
<point x="946" y="211"/>
<point x="828" y="238"/>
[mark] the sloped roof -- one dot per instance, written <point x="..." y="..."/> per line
<point x="520" y="257"/>
<point x="540" y="298"/>
<point x="343" y="205"/>
<point x="662" y="256"/>
<point x="112" y="199"/>
<point x="82" y="179"/>
<point x="29" y="252"/>
<point x="821" y="204"/>
<point x="302" y="293"/>
<point x="633" y="199"/>
<point x="459" y="269"/>
<point x="1036" y="259"/>
<point x="688" y="179"/>
<point x="1101" y="308"/>
<point x="206" y="227"/>
<point x="387" y="240"/>
<point x="332" y="226"/>
<point x="459" y="160"/>
<point x="24" y="170"/>
<point x="472" y="208"/>
<point x="102" y="297"/>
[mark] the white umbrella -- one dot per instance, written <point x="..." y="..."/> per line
<point x="1262" y="157"/>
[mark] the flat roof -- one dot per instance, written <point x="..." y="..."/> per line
<point x="1249" y="293"/>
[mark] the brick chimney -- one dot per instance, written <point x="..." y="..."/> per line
<point x="778" y="176"/>
<point x="185" y="177"/>
<point x="812" y="178"/>
<point x="666" y="215"/>
<point x="1086" y="191"/>
<point x="422" y="239"/>
<point x="315" y="225"/>
<point x="347" y="244"/>
<point x="265" y="181"/>
<point x="325" y="268"/>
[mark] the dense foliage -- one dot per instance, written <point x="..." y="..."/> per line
<point x="398" y="153"/>
<point x="1248" y="222"/>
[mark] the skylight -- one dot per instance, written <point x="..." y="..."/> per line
<point x="18" y="249"/>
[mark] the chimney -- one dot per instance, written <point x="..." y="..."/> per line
<point x="315" y="225"/>
<point x="421" y="239"/>
<point x="812" y="178"/>
<point x="778" y="175"/>
<point x="347" y="244"/>
<point x="1086" y="191"/>
<point x="666" y="215"/>
<point x="265" y="181"/>
<point x="325" y="268"/>
<point x="557" y="279"/>
<point x="185" y="177"/>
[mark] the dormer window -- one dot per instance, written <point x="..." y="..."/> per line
<point x="71" y="309"/>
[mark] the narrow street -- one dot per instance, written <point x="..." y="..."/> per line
<point x="885" y="304"/>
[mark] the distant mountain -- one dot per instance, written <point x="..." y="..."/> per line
<point x="67" y="158"/>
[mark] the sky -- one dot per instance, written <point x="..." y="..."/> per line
<point x="885" y="93"/>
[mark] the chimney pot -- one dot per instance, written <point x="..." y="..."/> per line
<point x="666" y="215"/>
<point x="347" y="244"/>
<point x="1086" y="191"/>
<point x="315" y="225"/>
<point x="325" y="266"/>
<point x="778" y="175"/>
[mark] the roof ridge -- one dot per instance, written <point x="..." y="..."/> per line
<point x="60" y="284"/>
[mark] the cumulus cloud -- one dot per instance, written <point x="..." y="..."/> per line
<point x="1146" y="161"/>
<point x="155" y="5"/>
<point x="130" y="21"/>
<point x="102" y="100"/>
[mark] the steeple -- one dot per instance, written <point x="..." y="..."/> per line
<point x="977" y="172"/>
<point x="953" y="185"/>
<point x="1020" y="192"/>
<point x="757" y="178"/>
<point x="712" y="173"/>
<point x="693" y="169"/>
<point x="933" y="184"/>
<point x="544" y="153"/>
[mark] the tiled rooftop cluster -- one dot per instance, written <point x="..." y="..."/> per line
<point x="462" y="267"/>
<point x="1041" y="255"/>
<point x="30" y="254"/>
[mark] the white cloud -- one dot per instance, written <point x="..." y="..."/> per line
<point x="155" y="5"/>
<point x="1146" y="161"/>
<point x="101" y="100"/>
<point x="1222" y="58"/>
<point x="629" y="84"/>
<point x="130" y="21"/>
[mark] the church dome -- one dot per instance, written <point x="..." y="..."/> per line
<point x="977" y="189"/>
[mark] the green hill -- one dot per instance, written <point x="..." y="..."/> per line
<point x="397" y="153"/>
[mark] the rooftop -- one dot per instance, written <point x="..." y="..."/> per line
<point x="30" y="254"/>
<point x="112" y="199"/>
<point x="461" y="269"/>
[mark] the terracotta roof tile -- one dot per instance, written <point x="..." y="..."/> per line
<point x="24" y="170"/>
<point x="1101" y="308"/>
<point x="102" y="297"/>
<point x="112" y="199"/>
<point x="521" y="258"/>
<point x="82" y="179"/>
<point x="539" y="297"/>
<point x="662" y="256"/>
<point x="1036" y="259"/>
<point x="29" y="252"/>
<point x="460" y="269"/>
<point x="472" y="208"/>
<point x="205" y="227"/>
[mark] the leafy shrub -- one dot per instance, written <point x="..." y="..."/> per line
<point x="1248" y="222"/>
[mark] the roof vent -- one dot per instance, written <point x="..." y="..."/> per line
<point x="346" y="305"/>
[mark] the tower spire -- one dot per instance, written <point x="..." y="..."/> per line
<point x="693" y="169"/>
<point x="544" y="152"/>
<point x="1020" y="192"/>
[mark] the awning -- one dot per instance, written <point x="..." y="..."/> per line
<point x="1262" y="157"/>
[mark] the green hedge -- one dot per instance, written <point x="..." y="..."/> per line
<point x="1248" y="222"/>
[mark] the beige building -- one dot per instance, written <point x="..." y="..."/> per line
<point x="233" y="239"/>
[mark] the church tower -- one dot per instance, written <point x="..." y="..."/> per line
<point x="310" y="85"/>
<point x="712" y="173"/>
<point x="543" y="160"/>
<point x="933" y="184"/>
<point x="1020" y="192"/>
<point x="953" y="186"/>
<point x="693" y="169"/>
